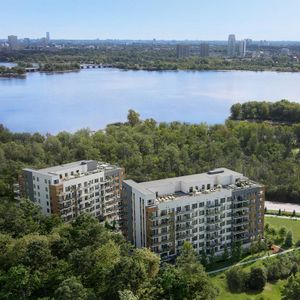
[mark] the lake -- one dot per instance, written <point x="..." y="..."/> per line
<point x="96" y="97"/>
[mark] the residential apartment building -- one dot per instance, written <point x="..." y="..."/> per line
<point x="242" y="48"/>
<point x="231" y="47"/>
<point x="13" y="42"/>
<point x="210" y="210"/>
<point x="183" y="51"/>
<point x="204" y="50"/>
<point x="71" y="189"/>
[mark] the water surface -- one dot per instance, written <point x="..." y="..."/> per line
<point x="96" y="97"/>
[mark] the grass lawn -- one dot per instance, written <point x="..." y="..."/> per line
<point x="293" y="225"/>
<point x="270" y="292"/>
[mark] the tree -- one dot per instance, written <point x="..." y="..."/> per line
<point x="236" y="111"/>
<point x="133" y="117"/>
<point x="196" y="282"/>
<point x="203" y="258"/>
<point x="236" y="278"/>
<point x="282" y="232"/>
<point x="225" y="254"/>
<point x="291" y="290"/>
<point x="288" y="240"/>
<point x="236" y="251"/>
<point x="257" y="279"/>
<point x="127" y="295"/>
<point x="70" y="289"/>
<point x="19" y="283"/>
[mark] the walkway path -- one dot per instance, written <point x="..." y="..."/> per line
<point x="253" y="260"/>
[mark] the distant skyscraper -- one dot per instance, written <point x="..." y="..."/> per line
<point x="231" y="49"/>
<point x="12" y="42"/>
<point x="26" y="42"/>
<point x="204" y="50"/>
<point x="183" y="51"/>
<point x="242" y="48"/>
<point x="47" y="37"/>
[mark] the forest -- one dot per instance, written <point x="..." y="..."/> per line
<point x="282" y="111"/>
<point x="148" y="57"/>
<point x="43" y="258"/>
<point x="148" y="150"/>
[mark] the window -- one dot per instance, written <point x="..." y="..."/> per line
<point x="48" y="210"/>
<point x="33" y="177"/>
<point x="46" y="196"/>
<point x="194" y="206"/>
<point x="45" y="181"/>
<point x="66" y="174"/>
<point x="47" y="203"/>
<point x="46" y="189"/>
<point x="37" y="179"/>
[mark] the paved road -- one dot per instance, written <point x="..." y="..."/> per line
<point x="290" y="207"/>
<point x="282" y="217"/>
<point x="254" y="260"/>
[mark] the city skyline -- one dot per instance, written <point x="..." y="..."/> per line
<point x="167" y="20"/>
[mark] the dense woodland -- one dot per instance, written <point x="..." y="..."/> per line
<point x="282" y="111"/>
<point x="43" y="258"/>
<point x="11" y="72"/>
<point x="266" y="152"/>
<point x="151" y="57"/>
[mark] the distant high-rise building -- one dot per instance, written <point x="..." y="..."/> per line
<point x="26" y="42"/>
<point x="183" y="51"/>
<point x="12" y="42"/>
<point x="47" y="37"/>
<point x="231" y="48"/>
<point x="242" y="48"/>
<point x="204" y="50"/>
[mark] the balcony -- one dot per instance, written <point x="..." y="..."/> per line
<point x="212" y="229"/>
<point x="181" y="228"/>
<point x="185" y="219"/>
<point x="182" y="212"/>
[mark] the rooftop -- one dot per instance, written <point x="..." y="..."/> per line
<point x="190" y="178"/>
<point x="169" y="189"/>
<point x="92" y="167"/>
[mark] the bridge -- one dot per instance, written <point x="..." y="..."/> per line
<point x="32" y="69"/>
<point x="91" y="66"/>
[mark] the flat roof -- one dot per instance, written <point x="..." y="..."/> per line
<point x="190" y="178"/>
<point x="149" y="187"/>
<point x="55" y="170"/>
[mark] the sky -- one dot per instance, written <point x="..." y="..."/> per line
<point x="148" y="19"/>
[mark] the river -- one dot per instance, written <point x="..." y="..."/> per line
<point x="96" y="97"/>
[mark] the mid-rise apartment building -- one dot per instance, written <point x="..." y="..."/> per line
<point x="210" y="210"/>
<point x="71" y="189"/>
